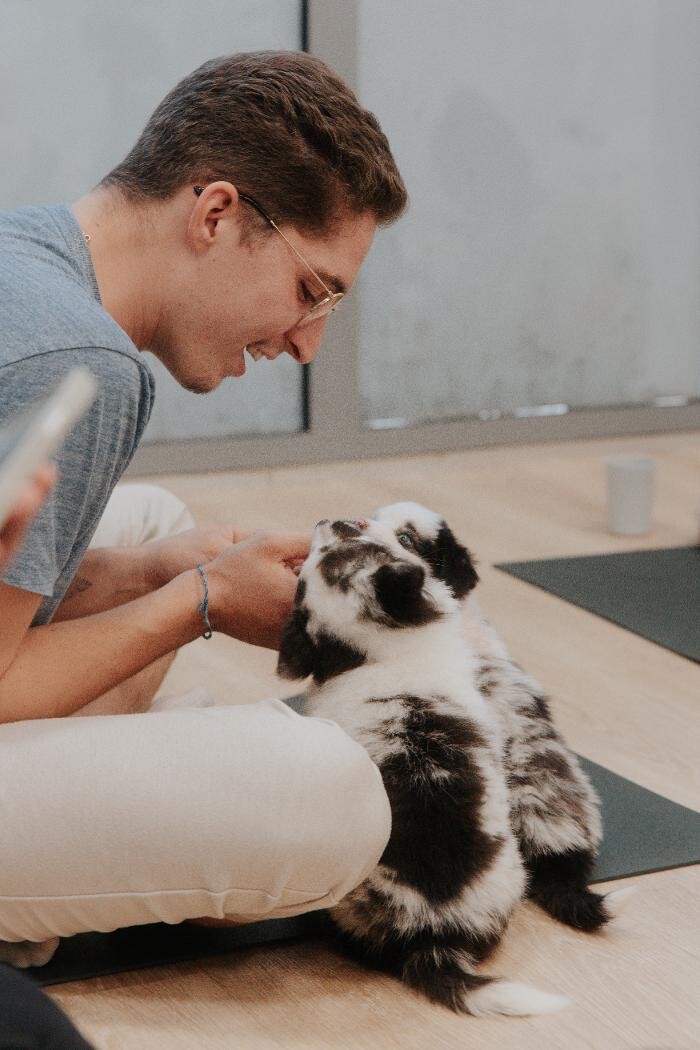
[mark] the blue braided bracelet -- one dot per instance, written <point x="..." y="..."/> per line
<point x="203" y="606"/>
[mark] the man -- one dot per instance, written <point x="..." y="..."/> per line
<point x="238" y="220"/>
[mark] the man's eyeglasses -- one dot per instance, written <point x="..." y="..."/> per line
<point x="323" y="305"/>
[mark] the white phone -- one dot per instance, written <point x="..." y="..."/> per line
<point x="30" y="439"/>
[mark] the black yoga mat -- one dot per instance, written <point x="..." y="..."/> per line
<point x="643" y="832"/>
<point x="654" y="593"/>
<point x="157" y="944"/>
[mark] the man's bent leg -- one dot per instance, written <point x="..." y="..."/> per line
<point x="252" y="811"/>
<point x="135" y="514"/>
<point x="132" y="697"/>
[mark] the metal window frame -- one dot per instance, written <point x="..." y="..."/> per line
<point x="333" y="425"/>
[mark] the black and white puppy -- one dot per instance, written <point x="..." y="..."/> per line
<point x="555" y="812"/>
<point x="378" y="623"/>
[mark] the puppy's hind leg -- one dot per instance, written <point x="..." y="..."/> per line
<point x="555" y="812"/>
<point x="559" y="884"/>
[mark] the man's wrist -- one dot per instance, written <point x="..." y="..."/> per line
<point x="203" y="606"/>
<point x="154" y="570"/>
<point x="186" y="593"/>
<point x="213" y="590"/>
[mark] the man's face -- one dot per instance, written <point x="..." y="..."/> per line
<point x="237" y="291"/>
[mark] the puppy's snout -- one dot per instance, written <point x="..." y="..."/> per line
<point x="348" y="528"/>
<point x="342" y="529"/>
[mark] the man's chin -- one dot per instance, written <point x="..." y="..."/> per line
<point x="196" y="384"/>
<point x="199" y="385"/>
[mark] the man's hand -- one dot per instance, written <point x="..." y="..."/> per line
<point x="252" y="586"/>
<point x="167" y="558"/>
<point x="110" y="576"/>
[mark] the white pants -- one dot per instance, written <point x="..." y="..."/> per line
<point x="247" y="811"/>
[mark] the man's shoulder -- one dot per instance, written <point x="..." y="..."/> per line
<point x="48" y="299"/>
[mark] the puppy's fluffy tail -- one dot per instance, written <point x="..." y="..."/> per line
<point x="446" y="975"/>
<point x="559" y="884"/>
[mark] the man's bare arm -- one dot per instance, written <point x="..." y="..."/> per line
<point x="60" y="667"/>
<point x="55" y="670"/>
<point x="106" y="578"/>
<point x="111" y="576"/>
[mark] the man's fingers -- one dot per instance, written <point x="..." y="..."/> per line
<point x="289" y="547"/>
<point x="285" y="546"/>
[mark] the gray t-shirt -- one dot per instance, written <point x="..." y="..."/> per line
<point x="51" y="320"/>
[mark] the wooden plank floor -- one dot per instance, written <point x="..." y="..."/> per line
<point x="621" y="701"/>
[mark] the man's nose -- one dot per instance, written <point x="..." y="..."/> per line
<point x="306" y="340"/>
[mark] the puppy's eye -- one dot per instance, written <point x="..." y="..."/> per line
<point x="406" y="540"/>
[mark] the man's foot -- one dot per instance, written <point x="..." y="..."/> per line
<point x="219" y="923"/>
<point x="197" y="697"/>
<point x="28" y="953"/>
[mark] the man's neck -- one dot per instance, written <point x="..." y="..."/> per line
<point x="123" y="256"/>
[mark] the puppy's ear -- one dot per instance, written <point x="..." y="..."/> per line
<point x="399" y="591"/>
<point x="454" y="564"/>
<point x="297" y="656"/>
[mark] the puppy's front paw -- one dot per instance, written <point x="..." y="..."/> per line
<point x="28" y="953"/>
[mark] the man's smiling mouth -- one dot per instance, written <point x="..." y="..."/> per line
<point x="256" y="353"/>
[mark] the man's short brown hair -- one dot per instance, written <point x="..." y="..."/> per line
<point x="280" y="126"/>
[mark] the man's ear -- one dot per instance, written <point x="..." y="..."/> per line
<point x="399" y="591"/>
<point x="297" y="656"/>
<point x="454" y="563"/>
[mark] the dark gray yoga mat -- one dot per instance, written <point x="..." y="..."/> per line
<point x="157" y="944"/>
<point x="643" y="832"/>
<point x="654" y="593"/>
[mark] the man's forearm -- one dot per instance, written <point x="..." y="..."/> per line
<point x="107" y="577"/>
<point x="88" y="656"/>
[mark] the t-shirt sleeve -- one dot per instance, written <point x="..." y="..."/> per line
<point x="90" y="462"/>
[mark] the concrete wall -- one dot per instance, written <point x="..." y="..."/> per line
<point x="552" y="248"/>
<point x="78" y="80"/>
<point x="551" y="149"/>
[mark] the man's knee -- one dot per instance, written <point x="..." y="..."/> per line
<point x="137" y="513"/>
<point x="329" y="821"/>
<point x="247" y="811"/>
<point x="355" y="823"/>
<point x="164" y="513"/>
